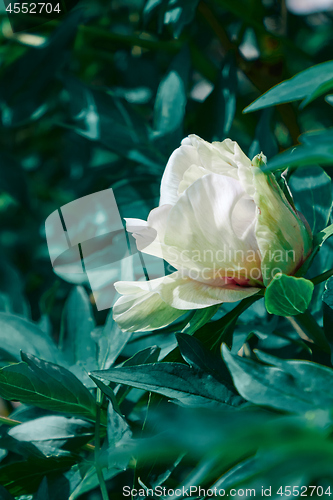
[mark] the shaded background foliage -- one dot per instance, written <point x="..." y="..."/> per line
<point x="100" y="99"/>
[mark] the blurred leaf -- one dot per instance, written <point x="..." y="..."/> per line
<point x="312" y="193"/>
<point x="17" y="333"/>
<point x="12" y="286"/>
<point x="46" y="385"/>
<point x="169" y="104"/>
<point x="178" y="13"/>
<point x="329" y="99"/>
<point x="149" y="355"/>
<point x="287" y="295"/>
<point x="111" y="343"/>
<point x="294" y="386"/>
<point x="327" y="299"/>
<point x="301" y="86"/>
<point x="117" y="429"/>
<point x="220" y="105"/>
<point x="25" y="477"/>
<point x="43" y="491"/>
<point x="56" y="431"/>
<point x="90" y="481"/>
<point x="200" y="318"/>
<point x="173" y="380"/>
<point x="199" y="358"/>
<point x="315" y="148"/>
<point x="23" y="83"/>
<point x="78" y="345"/>
<point x="264" y="140"/>
<point x="4" y="495"/>
<point x="111" y="121"/>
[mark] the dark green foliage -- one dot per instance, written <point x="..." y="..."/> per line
<point x="101" y="98"/>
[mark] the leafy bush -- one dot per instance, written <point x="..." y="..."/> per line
<point x="232" y="397"/>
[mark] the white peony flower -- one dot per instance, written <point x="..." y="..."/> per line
<point x="223" y="224"/>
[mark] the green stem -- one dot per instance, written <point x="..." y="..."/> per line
<point x="322" y="277"/>
<point x="99" y="471"/>
<point x="9" y="421"/>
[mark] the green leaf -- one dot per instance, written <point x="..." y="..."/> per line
<point x="117" y="428"/>
<point x="105" y="118"/>
<point x="323" y="235"/>
<point x="315" y="148"/>
<point x="149" y="355"/>
<point x="180" y="13"/>
<point x="23" y="84"/>
<point x="173" y="380"/>
<point x="90" y="481"/>
<point x="287" y="295"/>
<point x="170" y="104"/>
<point x="312" y="193"/>
<point x="108" y="391"/>
<point x="294" y="386"/>
<point x="197" y="356"/>
<point x="329" y="99"/>
<point x="111" y="343"/>
<point x="301" y="86"/>
<point x="4" y="495"/>
<point x="78" y="344"/>
<point x="54" y="431"/>
<point x="18" y="333"/>
<point x="200" y="318"/>
<point x="22" y="478"/>
<point x="43" y="491"/>
<point x="328" y="312"/>
<point x="264" y="137"/>
<point x="46" y="385"/>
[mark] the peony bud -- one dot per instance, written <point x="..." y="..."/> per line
<point x="223" y="224"/>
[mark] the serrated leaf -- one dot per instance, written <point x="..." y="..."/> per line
<point x="173" y="380"/>
<point x="287" y="295"/>
<point x="294" y="386"/>
<point x="197" y="356"/>
<point x="46" y="385"/>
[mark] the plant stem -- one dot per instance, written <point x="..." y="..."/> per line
<point x="322" y="277"/>
<point x="9" y="421"/>
<point x="99" y="471"/>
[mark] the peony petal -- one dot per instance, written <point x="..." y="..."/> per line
<point x="224" y="158"/>
<point x="184" y="293"/>
<point x="284" y="240"/>
<point x="205" y="231"/>
<point x="142" y="310"/>
<point x="191" y="175"/>
<point x="180" y="160"/>
<point x="149" y="235"/>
